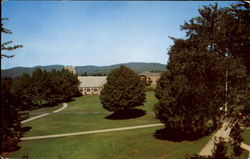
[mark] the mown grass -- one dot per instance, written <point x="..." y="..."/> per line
<point x="44" y="110"/>
<point x="246" y="136"/>
<point x="134" y="144"/>
<point x="80" y="116"/>
<point x="66" y="123"/>
<point x="93" y="104"/>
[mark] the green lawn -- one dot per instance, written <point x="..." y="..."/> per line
<point x="93" y="104"/>
<point x="66" y="123"/>
<point x="44" y="110"/>
<point x="246" y="136"/>
<point x="133" y="144"/>
<point x="138" y="143"/>
<point x="73" y="119"/>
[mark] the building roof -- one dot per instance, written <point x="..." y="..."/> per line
<point x="92" y="81"/>
<point x="150" y="74"/>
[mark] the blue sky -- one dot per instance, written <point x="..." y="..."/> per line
<point x="94" y="33"/>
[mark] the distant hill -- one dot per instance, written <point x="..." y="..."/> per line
<point x="90" y="70"/>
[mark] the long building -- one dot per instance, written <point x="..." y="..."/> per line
<point x="91" y="85"/>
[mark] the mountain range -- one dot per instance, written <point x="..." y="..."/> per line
<point x="90" y="70"/>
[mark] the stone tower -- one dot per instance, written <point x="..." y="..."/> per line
<point x="70" y="69"/>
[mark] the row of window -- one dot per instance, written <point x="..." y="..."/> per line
<point x="88" y="89"/>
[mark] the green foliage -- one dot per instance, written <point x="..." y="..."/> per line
<point x="123" y="90"/>
<point x="189" y="93"/>
<point x="84" y="74"/>
<point x="10" y="130"/>
<point x="4" y="46"/>
<point x="220" y="150"/>
<point x="214" y="53"/>
<point x="99" y="74"/>
<point x="237" y="139"/>
<point x="44" y="88"/>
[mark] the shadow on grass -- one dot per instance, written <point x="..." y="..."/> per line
<point x="173" y="135"/>
<point x="126" y="114"/>
<point x="25" y="129"/>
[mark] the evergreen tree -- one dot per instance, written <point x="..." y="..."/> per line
<point x="10" y="130"/>
<point x="123" y="90"/>
<point x="4" y="46"/>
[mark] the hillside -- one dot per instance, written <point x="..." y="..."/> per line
<point x="90" y="70"/>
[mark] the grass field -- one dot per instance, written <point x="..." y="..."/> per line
<point x="44" y="110"/>
<point x="136" y="144"/>
<point x="246" y="136"/>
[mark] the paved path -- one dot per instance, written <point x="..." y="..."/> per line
<point x="245" y="147"/>
<point x="65" y="105"/>
<point x="82" y="112"/>
<point x="223" y="132"/>
<point x="90" y="132"/>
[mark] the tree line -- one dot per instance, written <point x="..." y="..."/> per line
<point x="29" y="92"/>
<point x="44" y="88"/>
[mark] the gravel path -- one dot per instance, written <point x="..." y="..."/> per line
<point x="65" y="105"/>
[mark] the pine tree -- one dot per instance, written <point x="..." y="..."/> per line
<point x="4" y="46"/>
<point x="10" y="130"/>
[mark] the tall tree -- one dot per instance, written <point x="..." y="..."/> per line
<point x="124" y="90"/>
<point x="5" y="46"/>
<point x="206" y="69"/>
<point x="10" y="130"/>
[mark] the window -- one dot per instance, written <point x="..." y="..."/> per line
<point x="95" y="89"/>
<point x="88" y="89"/>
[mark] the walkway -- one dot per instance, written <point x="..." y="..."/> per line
<point x="65" y="105"/>
<point x="84" y="112"/>
<point x="90" y="132"/>
<point x="223" y="132"/>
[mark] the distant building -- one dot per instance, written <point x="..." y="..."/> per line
<point x="70" y="69"/>
<point x="151" y="77"/>
<point x="91" y="84"/>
